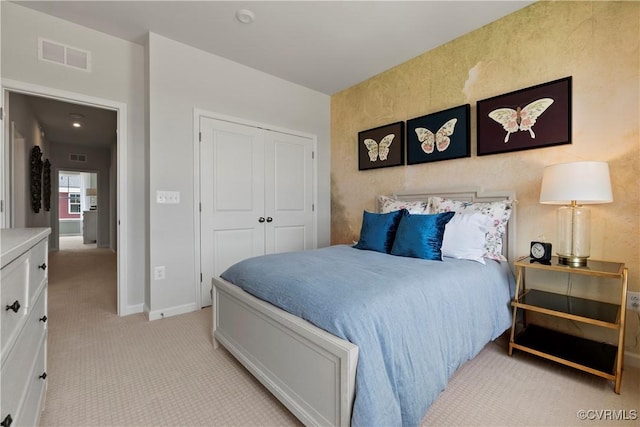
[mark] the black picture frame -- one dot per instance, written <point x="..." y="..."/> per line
<point x="443" y="135"/>
<point x="501" y="118"/>
<point x="369" y="143"/>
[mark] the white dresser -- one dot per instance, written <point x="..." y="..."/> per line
<point x="23" y="324"/>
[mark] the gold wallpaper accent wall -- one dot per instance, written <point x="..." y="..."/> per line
<point x="597" y="43"/>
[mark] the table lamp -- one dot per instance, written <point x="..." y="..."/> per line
<point x="575" y="184"/>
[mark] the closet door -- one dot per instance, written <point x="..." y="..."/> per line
<point x="256" y="192"/>
<point x="232" y="220"/>
<point x="288" y="193"/>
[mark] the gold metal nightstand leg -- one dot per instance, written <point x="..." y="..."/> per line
<point x="519" y="279"/>
<point x="623" y="315"/>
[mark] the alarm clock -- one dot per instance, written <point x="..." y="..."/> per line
<point x="540" y="252"/>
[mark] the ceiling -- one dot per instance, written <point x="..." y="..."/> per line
<point x="326" y="46"/>
<point x="97" y="126"/>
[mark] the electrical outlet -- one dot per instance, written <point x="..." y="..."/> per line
<point x="159" y="273"/>
<point x="633" y="301"/>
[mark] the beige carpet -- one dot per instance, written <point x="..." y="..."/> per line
<point x="74" y="243"/>
<point x="110" y="371"/>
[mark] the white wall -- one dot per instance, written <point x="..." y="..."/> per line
<point x="27" y="126"/>
<point x="117" y="75"/>
<point x="182" y="78"/>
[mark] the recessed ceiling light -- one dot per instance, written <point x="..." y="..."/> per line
<point x="76" y="121"/>
<point x="245" y="16"/>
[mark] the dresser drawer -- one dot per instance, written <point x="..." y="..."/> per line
<point x="18" y="369"/>
<point x="29" y="412"/>
<point x="38" y="267"/>
<point x="13" y="292"/>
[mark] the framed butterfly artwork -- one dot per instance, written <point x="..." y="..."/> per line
<point x="443" y="135"/>
<point x="535" y="117"/>
<point x="381" y="147"/>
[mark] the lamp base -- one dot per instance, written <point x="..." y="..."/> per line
<point x="572" y="260"/>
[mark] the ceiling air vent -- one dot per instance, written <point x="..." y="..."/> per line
<point x="59" y="53"/>
<point x="78" y="158"/>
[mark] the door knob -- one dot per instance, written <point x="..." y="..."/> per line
<point x="269" y="219"/>
<point x="261" y="219"/>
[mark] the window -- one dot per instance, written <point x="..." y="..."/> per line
<point x="74" y="203"/>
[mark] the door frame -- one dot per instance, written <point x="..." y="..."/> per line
<point x="120" y="108"/>
<point x="199" y="113"/>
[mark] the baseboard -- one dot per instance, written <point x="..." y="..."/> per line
<point x="146" y="310"/>
<point x="631" y="359"/>
<point x="172" y="311"/>
<point x="133" y="309"/>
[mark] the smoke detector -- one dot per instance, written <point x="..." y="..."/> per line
<point x="245" y="16"/>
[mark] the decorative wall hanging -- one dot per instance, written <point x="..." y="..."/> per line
<point x="36" y="179"/>
<point x="538" y="116"/>
<point x="381" y="147"/>
<point x="46" y="185"/>
<point x="439" y="136"/>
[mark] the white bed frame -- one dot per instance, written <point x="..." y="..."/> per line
<point x="309" y="370"/>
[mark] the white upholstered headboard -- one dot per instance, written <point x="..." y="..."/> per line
<point x="473" y="194"/>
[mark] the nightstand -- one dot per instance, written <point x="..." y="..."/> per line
<point x="601" y="359"/>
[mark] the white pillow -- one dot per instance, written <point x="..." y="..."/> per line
<point x="498" y="211"/>
<point x="464" y="236"/>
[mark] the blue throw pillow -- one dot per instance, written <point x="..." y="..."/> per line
<point x="420" y="236"/>
<point x="378" y="231"/>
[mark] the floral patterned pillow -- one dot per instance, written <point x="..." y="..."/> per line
<point x="387" y="204"/>
<point x="498" y="211"/>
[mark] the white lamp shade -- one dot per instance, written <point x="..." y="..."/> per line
<point x="582" y="182"/>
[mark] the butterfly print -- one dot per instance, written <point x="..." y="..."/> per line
<point x="379" y="150"/>
<point x="520" y="119"/>
<point x="439" y="140"/>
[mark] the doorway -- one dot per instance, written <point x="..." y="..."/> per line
<point x="77" y="210"/>
<point x="115" y="178"/>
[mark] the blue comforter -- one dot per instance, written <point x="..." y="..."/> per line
<point x="414" y="321"/>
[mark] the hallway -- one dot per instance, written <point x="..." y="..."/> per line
<point x="90" y="274"/>
<point x="74" y="243"/>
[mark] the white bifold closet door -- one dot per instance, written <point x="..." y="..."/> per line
<point x="256" y="189"/>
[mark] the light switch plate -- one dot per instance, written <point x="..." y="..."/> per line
<point x="172" y="197"/>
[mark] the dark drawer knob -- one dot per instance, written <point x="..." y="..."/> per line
<point x="43" y="319"/>
<point x="43" y="266"/>
<point x="261" y="219"/>
<point x="269" y="219"/>
<point x="43" y="376"/>
<point x="15" y="306"/>
<point x="7" y="421"/>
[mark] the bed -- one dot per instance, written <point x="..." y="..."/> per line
<point x="312" y="369"/>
